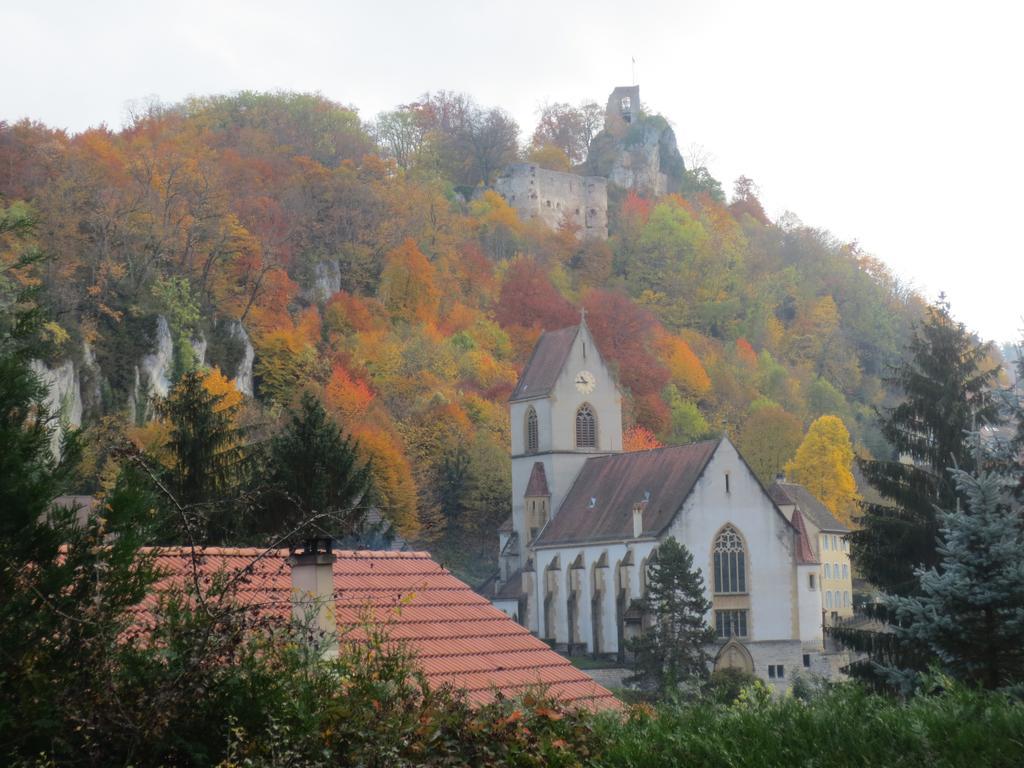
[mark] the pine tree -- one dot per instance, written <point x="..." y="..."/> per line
<point x="207" y="457"/>
<point x="946" y="396"/>
<point x="969" y="611"/>
<point x="672" y="650"/>
<point x="315" y="472"/>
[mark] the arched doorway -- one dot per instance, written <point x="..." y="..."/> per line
<point x="734" y="655"/>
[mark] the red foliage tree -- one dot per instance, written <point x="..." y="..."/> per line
<point x="530" y="300"/>
<point x="624" y="332"/>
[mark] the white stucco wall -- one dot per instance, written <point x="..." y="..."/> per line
<point x="766" y="533"/>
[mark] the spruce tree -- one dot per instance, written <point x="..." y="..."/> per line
<point x="946" y="395"/>
<point x="315" y="471"/>
<point x="968" y="614"/>
<point x="673" y="649"/>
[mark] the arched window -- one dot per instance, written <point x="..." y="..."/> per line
<point x="828" y="571"/>
<point x="828" y="600"/>
<point x="586" y="427"/>
<point x="730" y="562"/>
<point x="532" y="432"/>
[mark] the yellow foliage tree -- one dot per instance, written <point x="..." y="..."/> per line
<point x="393" y="485"/>
<point x="823" y="465"/>
<point x="216" y="383"/>
<point x="407" y="285"/>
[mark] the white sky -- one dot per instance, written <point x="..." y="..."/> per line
<point x="898" y="124"/>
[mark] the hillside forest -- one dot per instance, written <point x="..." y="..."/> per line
<point x="283" y="242"/>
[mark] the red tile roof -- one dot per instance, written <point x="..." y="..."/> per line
<point x="538" y="484"/>
<point x="783" y="493"/>
<point x="457" y="635"/>
<point x="599" y="506"/>
<point x="804" y="555"/>
<point x="545" y="364"/>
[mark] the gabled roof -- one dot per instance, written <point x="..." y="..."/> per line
<point x="783" y="493"/>
<point x="457" y="635"/>
<point x="538" y="485"/>
<point x="599" y="506"/>
<point x="804" y="555"/>
<point x="546" y="362"/>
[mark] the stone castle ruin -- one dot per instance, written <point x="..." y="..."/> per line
<point x="634" y="151"/>
<point x="555" y="197"/>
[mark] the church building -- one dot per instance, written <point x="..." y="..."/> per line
<point x="587" y="520"/>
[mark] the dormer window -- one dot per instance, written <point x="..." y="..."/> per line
<point x="586" y="427"/>
<point x="532" y="431"/>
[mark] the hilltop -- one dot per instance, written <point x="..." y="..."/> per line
<point x="289" y="244"/>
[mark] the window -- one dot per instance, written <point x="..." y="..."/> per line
<point x="846" y="599"/>
<point x="586" y="427"/>
<point x="730" y="562"/>
<point x="727" y="482"/>
<point x="834" y="542"/>
<point x="846" y="571"/>
<point x="828" y="571"/>
<point x="807" y="660"/>
<point x="731" y="624"/>
<point x="777" y="671"/>
<point x="532" y="432"/>
<point x="828" y="600"/>
<point x="810" y="578"/>
<point x="824" y="542"/>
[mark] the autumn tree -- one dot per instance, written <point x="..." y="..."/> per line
<point x="568" y="128"/>
<point x="768" y="439"/>
<point x="823" y="465"/>
<point x="638" y="438"/>
<point x="624" y="331"/>
<point x="529" y="299"/>
<point x="407" y="285"/>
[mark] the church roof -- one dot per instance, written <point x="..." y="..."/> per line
<point x="796" y="495"/>
<point x="546" y="363"/>
<point x="538" y="485"/>
<point x="804" y="555"/>
<point x="599" y="506"/>
<point x="457" y="636"/>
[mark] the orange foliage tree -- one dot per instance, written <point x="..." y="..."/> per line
<point x="349" y="397"/>
<point x="638" y="438"/>
<point x="407" y="284"/>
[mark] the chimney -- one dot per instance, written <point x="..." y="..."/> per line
<point x="313" y="592"/>
<point x="638" y="518"/>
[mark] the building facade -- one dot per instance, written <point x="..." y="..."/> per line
<point x="587" y="521"/>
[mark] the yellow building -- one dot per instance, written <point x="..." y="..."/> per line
<point x="830" y="541"/>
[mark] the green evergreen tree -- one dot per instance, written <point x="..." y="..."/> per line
<point x="673" y="649"/>
<point x="968" y="614"/>
<point x="209" y="461"/>
<point x="946" y="387"/>
<point x="59" y="622"/>
<point x="315" y="475"/>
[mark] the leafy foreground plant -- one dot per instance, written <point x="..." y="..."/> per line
<point x="846" y="726"/>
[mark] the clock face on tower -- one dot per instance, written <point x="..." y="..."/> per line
<point x="585" y="382"/>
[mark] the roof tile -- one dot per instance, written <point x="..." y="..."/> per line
<point x="545" y="364"/>
<point x="599" y="506"/>
<point x="457" y="635"/>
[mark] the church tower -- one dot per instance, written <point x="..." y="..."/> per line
<point x="565" y="409"/>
